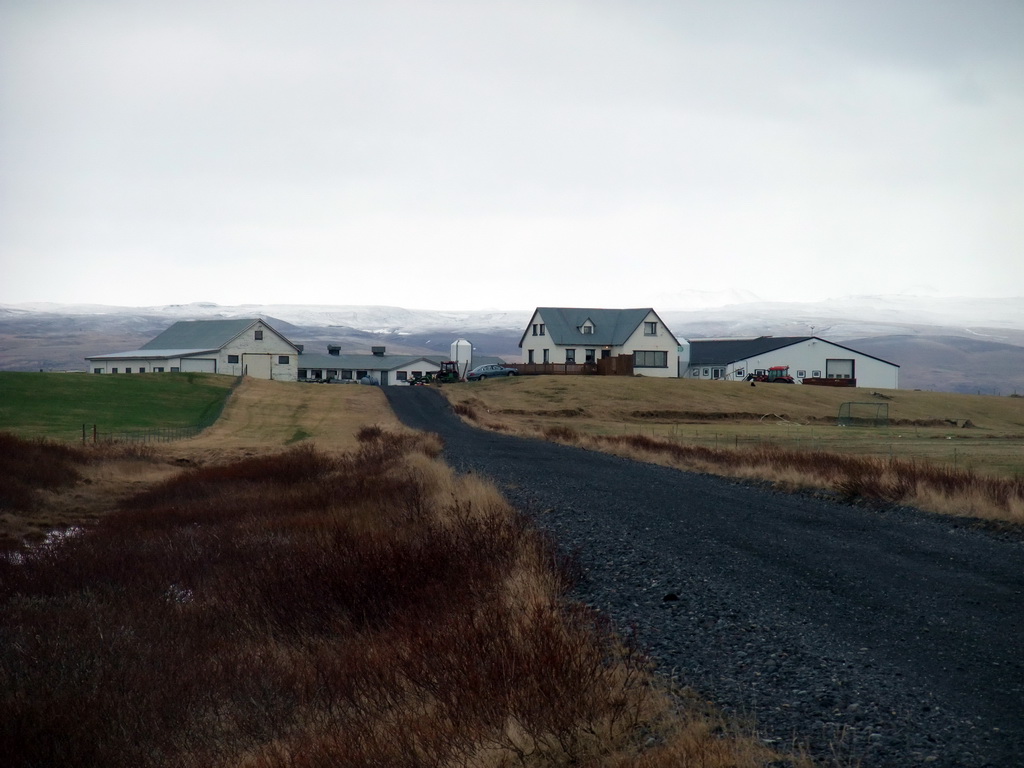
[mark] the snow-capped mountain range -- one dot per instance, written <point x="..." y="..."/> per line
<point x="957" y="344"/>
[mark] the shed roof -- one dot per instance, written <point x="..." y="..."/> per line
<point x="612" y="327"/>
<point x="150" y="354"/>
<point x="364" y="362"/>
<point x="725" y="351"/>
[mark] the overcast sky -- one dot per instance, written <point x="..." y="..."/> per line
<point x="491" y="154"/>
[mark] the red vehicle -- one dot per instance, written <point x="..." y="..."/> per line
<point x="777" y="374"/>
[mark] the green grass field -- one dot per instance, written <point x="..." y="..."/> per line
<point x="56" y="405"/>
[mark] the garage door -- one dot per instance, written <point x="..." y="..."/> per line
<point x="199" y="364"/>
<point x="257" y="366"/>
<point x="839" y="369"/>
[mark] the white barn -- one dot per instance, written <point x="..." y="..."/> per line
<point x="580" y="335"/>
<point x="806" y="356"/>
<point x="239" y="347"/>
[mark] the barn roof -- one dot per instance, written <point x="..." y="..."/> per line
<point x="201" y="334"/>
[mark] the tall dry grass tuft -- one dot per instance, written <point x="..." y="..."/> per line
<point x="369" y="608"/>
<point x="906" y="481"/>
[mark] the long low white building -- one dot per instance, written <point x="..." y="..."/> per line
<point x="808" y="357"/>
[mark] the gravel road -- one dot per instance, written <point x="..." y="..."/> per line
<point x="881" y="638"/>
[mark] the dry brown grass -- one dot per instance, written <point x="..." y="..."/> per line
<point x="313" y="608"/>
<point x="924" y="460"/>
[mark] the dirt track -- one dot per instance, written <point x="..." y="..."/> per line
<point x="888" y="637"/>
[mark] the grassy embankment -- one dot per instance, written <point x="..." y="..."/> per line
<point x="318" y="608"/>
<point x="951" y="453"/>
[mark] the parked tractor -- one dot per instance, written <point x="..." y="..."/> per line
<point x="449" y="372"/>
<point x="777" y="374"/>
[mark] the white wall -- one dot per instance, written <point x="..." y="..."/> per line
<point x="272" y="346"/>
<point x="662" y="341"/>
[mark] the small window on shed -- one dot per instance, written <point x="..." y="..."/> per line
<point x="282" y="359"/>
<point x="259" y="336"/>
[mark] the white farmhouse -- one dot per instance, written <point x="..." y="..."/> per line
<point x="580" y="335"/>
<point x="807" y="357"/>
<point x="239" y="347"/>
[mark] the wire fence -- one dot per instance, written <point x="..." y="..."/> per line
<point x="93" y="433"/>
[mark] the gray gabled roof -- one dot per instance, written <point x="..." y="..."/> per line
<point x="612" y="327"/>
<point x="727" y="351"/>
<point x="203" y="334"/>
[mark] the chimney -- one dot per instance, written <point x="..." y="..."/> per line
<point x="377" y="351"/>
<point x="333" y="349"/>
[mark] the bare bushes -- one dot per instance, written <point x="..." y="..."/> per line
<point x="929" y="486"/>
<point x="27" y="466"/>
<point x="312" y="610"/>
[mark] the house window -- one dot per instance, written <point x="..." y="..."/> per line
<point x="175" y="369"/>
<point x="346" y="375"/>
<point x="97" y="370"/>
<point x="740" y="373"/>
<point x="587" y="329"/>
<point x="546" y="357"/>
<point x="362" y="374"/>
<point x="717" y="373"/>
<point x="801" y="374"/>
<point x="142" y="369"/>
<point x="232" y="358"/>
<point x="259" y="336"/>
<point x="158" y="370"/>
<point x="402" y="375"/>
<point x="113" y="370"/>
<point x="650" y="359"/>
<point x="542" y="329"/>
<point x="591" y="355"/>
<point x="650" y="329"/>
<point x="815" y="374"/>
<point x="570" y="356"/>
<point x="282" y="359"/>
<point x="302" y="373"/>
<point x="529" y="356"/>
<point x="534" y="329"/>
<point x="127" y="370"/>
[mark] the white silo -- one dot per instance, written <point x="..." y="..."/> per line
<point x="462" y="354"/>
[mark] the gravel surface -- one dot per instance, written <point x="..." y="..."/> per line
<point x="875" y="638"/>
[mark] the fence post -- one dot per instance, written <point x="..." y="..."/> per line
<point x="94" y="434"/>
<point x="83" y="434"/>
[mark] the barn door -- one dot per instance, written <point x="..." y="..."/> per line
<point x="839" y="369"/>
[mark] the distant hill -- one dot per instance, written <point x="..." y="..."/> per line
<point x="957" y="345"/>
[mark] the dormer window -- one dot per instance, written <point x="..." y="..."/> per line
<point x="586" y="329"/>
